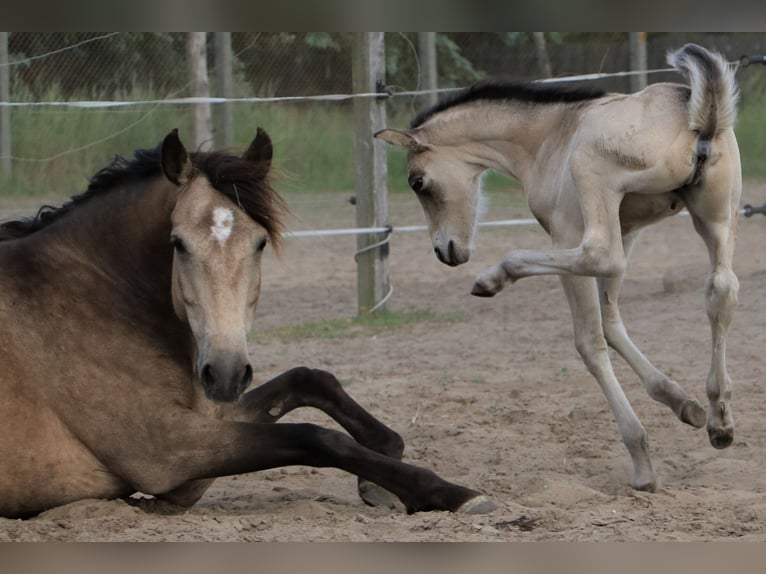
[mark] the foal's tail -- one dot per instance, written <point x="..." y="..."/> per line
<point x="713" y="100"/>
<point x="714" y="94"/>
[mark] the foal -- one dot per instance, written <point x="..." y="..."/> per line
<point x="596" y="169"/>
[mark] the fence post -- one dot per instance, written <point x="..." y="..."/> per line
<point x="637" y="60"/>
<point x="196" y="54"/>
<point x="368" y="55"/>
<point x="224" y="127"/>
<point x="428" y="66"/>
<point x="5" y="111"/>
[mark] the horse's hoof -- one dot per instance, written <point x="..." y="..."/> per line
<point x="478" y="505"/>
<point x="647" y="486"/>
<point x="374" y="495"/>
<point x="720" y="438"/>
<point x="481" y="290"/>
<point x="693" y="414"/>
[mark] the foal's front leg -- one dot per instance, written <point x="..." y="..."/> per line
<point x="591" y="345"/>
<point x="599" y="254"/>
<point x="304" y="387"/>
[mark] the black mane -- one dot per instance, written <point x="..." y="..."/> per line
<point x="244" y="182"/>
<point x="499" y="90"/>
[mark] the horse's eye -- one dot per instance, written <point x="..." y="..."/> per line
<point x="177" y="244"/>
<point x="262" y="244"/>
<point x="416" y="184"/>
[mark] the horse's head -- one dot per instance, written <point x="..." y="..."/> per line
<point x="448" y="186"/>
<point x="218" y="246"/>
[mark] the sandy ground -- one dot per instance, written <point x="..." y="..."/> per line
<point x="490" y="394"/>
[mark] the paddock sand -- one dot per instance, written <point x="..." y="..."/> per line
<point x="491" y="394"/>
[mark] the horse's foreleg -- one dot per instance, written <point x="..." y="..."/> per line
<point x="591" y="345"/>
<point x="213" y="448"/>
<point x="659" y="386"/>
<point x="599" y="254"/>
<point x="303" y="387"/>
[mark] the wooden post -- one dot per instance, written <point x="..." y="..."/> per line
<point x="196" y="53"/>
<point x="368" y="54"/>
<point x="638" y="60"/>
<point x="224" y="88"/>
<point x="428" y="66"/>
<point x="5" y="112"/>
<point x="541" y="49"/>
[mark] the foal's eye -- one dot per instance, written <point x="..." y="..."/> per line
<point x="416" y="184"/>
<point x="177" y="244"/>
<point x="262" y="244"/>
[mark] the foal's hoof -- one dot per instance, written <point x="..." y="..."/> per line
<point x="480" y="290"/>
<point x="478" y="505"/>
<point x="486" y="286"/>
<point x="693" y="414"/>
<point x="374" y="495"/>
<point x="721" y="438"/>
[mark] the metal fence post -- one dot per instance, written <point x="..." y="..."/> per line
<point x="370" y="169"/>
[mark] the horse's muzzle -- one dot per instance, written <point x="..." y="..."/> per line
<point x="224" y="383"/>
<point x="451" y="256"/>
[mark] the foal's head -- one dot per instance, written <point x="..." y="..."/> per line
<point x="224" y="217"/>
<point x="448" y="186"/>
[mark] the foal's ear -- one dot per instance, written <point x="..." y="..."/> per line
<point x="402" y="138"/>
<point x="260" y="150"/>
<point x="174" y="160"/>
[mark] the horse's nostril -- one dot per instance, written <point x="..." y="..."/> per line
<point x="247" y="376"/>
<point x="451" y="252"/>
<point x="208" y="376"/>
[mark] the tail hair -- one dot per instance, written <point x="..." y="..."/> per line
<point x="714" y="93"/>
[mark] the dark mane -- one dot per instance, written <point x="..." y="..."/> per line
<point x="245" y="183"/>
<point x="499" y="90"/>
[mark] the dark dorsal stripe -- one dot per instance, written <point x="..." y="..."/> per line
<point x="500" y="90"/>
<point x="245" y="183"/>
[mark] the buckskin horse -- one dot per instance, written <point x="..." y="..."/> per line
<point x="123" y="324"/>
<point x="596" y="169"/>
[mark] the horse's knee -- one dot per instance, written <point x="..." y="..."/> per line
<point x="602" y="259"/>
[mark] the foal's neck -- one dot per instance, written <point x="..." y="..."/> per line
<point x="505" y="136"/>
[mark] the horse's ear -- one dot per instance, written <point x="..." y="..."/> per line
<point x="402" y="138"/>
<point x="175" y="161"/>
<point x="261" y="150"/>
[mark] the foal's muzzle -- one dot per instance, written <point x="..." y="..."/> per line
<point x="224" y="382"/>
<point x="452" y="255"/>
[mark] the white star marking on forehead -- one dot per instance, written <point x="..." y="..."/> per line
<point x="223" y="221"/>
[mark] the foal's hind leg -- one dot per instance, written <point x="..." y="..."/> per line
<point x="714" y="211"/>
<point x="660" y="387"/>
<point x="591" y="344"/>
<point x="303" y="387"/>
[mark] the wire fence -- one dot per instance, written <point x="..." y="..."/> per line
<point x="74" y="100"/>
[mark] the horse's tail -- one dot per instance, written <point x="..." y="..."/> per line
<point x="714" y="93"/>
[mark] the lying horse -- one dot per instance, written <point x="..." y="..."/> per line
<point x="123" y="324"/>
<point x="596" y="169"/>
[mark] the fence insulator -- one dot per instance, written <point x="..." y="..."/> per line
<point x="748" y="210"/>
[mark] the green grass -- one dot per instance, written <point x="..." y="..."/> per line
<point x="751" y="135"/>
<point x="360" y="326"/>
